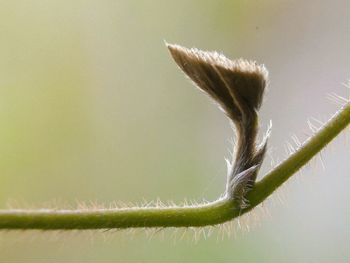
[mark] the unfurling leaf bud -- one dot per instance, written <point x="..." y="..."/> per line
<point x="238" y="87"/>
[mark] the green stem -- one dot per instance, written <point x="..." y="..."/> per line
<point x="202" y="215"/>
<point x="213" y="213"/>
<point x="313" y="145"/>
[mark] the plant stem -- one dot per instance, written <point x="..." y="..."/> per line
<point x="201" y="215"/>
<point x="313" y="145"/>
<point x="212" y="213"/>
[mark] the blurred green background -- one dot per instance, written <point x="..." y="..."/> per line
<point x="92" y="108"/>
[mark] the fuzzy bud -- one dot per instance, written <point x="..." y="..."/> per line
<point x="237" y="86"/>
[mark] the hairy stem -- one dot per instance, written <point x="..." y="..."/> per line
<point x="313" y="145"/>
<point x="213" y="213"/>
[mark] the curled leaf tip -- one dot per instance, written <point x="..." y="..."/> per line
<point x="236" y="85"/>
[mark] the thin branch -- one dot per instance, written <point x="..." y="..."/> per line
<point x="242" y="193"/>
<point x="313" y="145"/>
<point x="188" y="216"/>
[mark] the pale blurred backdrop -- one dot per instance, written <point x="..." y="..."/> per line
<point x="92" y="108"/>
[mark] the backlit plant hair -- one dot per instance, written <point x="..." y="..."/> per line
<point x="237" y="86"/>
